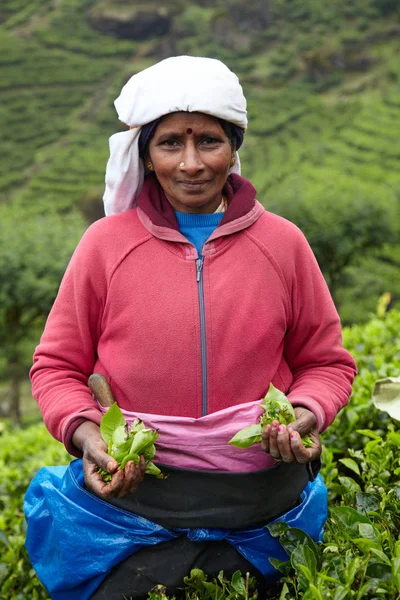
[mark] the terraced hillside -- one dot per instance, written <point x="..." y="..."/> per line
<point x="322" y="81"/>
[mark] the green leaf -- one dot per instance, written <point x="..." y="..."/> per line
<point x="351" y="569"/>
<point x="247" y="437"/>
<point x="381" y="555"/>
<point x="293" y="537"/>
<point x="315" y="592"/>
<point x="137" y="425"/>
<point x="283" y="566"/>
<point x="152" y="469"/>
<point x="304" y="563"/>
<point x="341" y="593"/>
<point x="348" y="519"/>
<point x="349" y="485"/>
<point x="365" y="545"/>
<point x="118" y="452"/>
<point x="196" y="577"/>
<point x="238" y="583"/>
<point x="350" y="464"/>
<point x="277" y="406"/>
<point x="112" y="419"/>
<point x="130" y="456"/>
<point x="394" y="437"/>
<point x="331" y="548"/>
<point x="284" y="591"/>
<point x="369" y="433"/>
<point x="367" y="502"/>
<point x="143" y="438"/>
<point x="396" y="572"/>
<point x="149" y="452"/>
<point x="367" y="531"/>
<point x="276" y="529"/>
<point x="119" y="435"/>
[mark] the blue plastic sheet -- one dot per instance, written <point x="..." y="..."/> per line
<point x="74" y="538"/>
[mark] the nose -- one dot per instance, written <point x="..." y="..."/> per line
<point x="191" y="159"/>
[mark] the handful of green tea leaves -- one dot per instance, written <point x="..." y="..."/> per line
<point x="276" y="408"/>
<point x="128" y="443"/>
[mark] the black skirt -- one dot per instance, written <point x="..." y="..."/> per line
<point x="188" y="498"/>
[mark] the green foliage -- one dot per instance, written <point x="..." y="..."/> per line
<point x="331" y="168"/>
<point x="195" y="20"/>
<point x="34" y="250"/>
<point x="342" y="219"/>
<point x="22" y="454"/>
<point x="197" y="586"/>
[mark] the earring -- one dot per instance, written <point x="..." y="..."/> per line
<point x="233" y="160"/>
<point x="149" y="165"/>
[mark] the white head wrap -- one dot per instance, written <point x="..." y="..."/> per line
<point x="181" y="83"/>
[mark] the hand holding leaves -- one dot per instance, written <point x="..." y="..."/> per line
<point x="285" y="442"/>
<point x="128" y="444"/>
<point x="279" y="418"/>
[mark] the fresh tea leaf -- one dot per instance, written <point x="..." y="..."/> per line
<point x="276" y="406"/>
<point x="247" y="437"/>
<point x="350" y="464"/>
<point x="119" y="436"/>
<point x="110" y="421"/>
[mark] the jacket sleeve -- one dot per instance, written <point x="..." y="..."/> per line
<point x="66" y="354"/>
<point x="323" y="371"/>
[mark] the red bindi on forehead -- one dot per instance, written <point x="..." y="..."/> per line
<point x="189" y="130"/>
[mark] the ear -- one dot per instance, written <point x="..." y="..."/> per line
<point x="148" y="163"/>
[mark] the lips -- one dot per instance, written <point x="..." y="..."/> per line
<point x="195" y="183"/>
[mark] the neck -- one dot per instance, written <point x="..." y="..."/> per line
<point x="208" y="208"/>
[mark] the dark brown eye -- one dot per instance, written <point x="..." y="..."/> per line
<point x="170" y="143"/>
<point x="210" y="141"/>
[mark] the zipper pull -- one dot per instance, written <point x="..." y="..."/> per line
<point x="199" y="266"/>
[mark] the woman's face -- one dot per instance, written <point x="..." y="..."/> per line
<point x="191" y="156"/>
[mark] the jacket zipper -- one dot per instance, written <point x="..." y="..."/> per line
<point x="200" y="289"/>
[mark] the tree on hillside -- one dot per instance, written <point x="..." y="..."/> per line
<point x="342" y="220"/>
<point x="34" y="252"/>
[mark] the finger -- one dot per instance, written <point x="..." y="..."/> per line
<point x="305" y="421"/>
<point x="114" y="487"/>
<point x="283" y="444"/>
<point x="133" y="476"/>
<point x="100" y="458"/>
<point x="265" y="438"/>
<point x="303" y="455"/>
<point x="273" y="441"/>
<point x="95" y="483"/>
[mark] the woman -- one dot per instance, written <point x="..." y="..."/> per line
<point x="191" y="299"/>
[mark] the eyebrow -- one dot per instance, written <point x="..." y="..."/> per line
<point x="176" y="134"/>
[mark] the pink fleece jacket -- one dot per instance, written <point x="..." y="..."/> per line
<point x="128" y="307"/>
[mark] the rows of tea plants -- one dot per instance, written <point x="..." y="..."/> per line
<point x="360" y="555"/>
<point x="310" y="153"/>
<point x="40" y="93"/>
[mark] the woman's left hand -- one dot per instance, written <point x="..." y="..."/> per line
<point x="283" y="442"/>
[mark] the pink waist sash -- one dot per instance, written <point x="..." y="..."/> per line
<point x="202" y="443"/>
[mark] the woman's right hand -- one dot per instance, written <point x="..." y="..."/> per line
<point x="125" y="481"/>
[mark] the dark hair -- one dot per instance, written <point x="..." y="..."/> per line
<point x="234" y="133"/>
